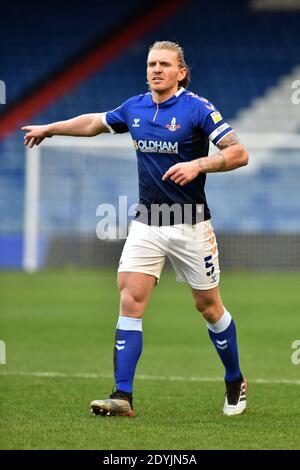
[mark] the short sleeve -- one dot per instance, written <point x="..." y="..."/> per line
<point x="211" y="121"/>
<point x="116" y="120"/>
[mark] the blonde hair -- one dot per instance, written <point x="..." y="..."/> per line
<point x="173" y="46"/>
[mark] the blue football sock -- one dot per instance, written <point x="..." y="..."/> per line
<point x="127" y="351"/>
<point x="223" y="335"/>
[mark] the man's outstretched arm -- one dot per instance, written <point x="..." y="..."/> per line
<point x="86" y="125"/>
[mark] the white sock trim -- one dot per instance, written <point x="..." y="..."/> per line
<point x="129" y="323"/>
<point x="222" y="324"/>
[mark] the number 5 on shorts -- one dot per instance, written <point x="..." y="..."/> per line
<point x="210" y="269"/>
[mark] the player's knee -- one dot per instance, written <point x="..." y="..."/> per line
<point x="211" y="315"/>
<point x="128" y="301"/>
<point x="208" y="309"/>
<point x="200" y="304"/>
<point x="131" y="302"/>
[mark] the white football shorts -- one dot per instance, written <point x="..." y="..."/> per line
<point x="192" y="250"/>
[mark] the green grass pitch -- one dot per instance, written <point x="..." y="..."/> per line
<point x="62" y="323"/>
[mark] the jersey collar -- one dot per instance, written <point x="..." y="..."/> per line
<point x="181" y="90"/>
<point x="170" y="101"/>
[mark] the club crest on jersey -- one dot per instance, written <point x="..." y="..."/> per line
<point x="173" y="126"/>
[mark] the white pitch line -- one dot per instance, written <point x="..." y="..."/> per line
<point x="143" y="377"/>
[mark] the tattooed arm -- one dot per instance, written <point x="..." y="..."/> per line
<point x="232" y="154"/>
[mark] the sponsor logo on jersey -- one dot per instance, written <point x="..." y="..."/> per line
<point x="136" y="122"/>
<point x="216" y="117"/>
<point x="155" y="146"/>
<point x="173" y="126"/>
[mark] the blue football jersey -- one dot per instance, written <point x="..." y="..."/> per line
<point x="174" y="131"/>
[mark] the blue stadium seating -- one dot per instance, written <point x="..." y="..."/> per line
<point x="263" y="201"/>
<point x="38" y="38"/>
<point x="230" y="65"/>
<point x="235" y="54"/>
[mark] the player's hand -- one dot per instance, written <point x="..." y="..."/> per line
<point x="182" y="173"/>
<point x="35" y="135"/>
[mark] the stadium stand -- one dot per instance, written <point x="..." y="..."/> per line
<point x="242" y="58"/>
<point x="38" y="39"/>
